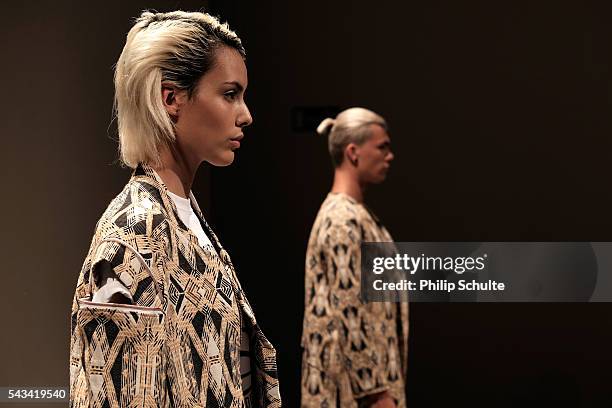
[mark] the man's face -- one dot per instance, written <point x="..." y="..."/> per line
<point x="374" y="156"/>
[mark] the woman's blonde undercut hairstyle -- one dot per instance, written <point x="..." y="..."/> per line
<point x="350" y="126"/>
<point x="175" y="48"/>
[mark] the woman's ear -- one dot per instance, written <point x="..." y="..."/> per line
<point x="172" y="98"/>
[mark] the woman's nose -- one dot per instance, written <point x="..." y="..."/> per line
<point x="245" y="118"/>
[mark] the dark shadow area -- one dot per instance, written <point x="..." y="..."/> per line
<point x="499" y="119"/>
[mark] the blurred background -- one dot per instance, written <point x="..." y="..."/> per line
<point x="499" y="116"/>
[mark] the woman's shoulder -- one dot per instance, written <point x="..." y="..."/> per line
<point x="137" y="210"/>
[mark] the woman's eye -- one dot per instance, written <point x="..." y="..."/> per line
<point x="231" y="94"/>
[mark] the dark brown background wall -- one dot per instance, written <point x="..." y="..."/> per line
<point x="58" y="167"/>
<point x="500" y="120"/>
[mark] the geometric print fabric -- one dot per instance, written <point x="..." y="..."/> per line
<point x="203" y="306"/>
<point x="351" y="349"/>
<point x="123" y="356"/>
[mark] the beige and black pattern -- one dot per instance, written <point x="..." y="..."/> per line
<point x="203" y="304"/>
<point x="351" y="349"/>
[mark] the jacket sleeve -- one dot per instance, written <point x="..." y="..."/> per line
<point x="108" y="257"/>
<point x="334" y="303"/>
<point x="79" y="395"/>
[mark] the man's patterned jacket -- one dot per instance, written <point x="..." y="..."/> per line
<point x="352" y="349"/>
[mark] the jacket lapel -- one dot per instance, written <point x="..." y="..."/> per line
<point x="148" y="175"/>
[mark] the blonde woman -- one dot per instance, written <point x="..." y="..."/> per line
<point x="179" y="96"/>
<point x="355" y="354"/>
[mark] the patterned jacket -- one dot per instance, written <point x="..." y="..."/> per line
<point x="203" y="303"/>
<point x="351" y="349"/>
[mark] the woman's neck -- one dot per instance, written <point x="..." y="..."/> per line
<point x="345" y="181"/>
<point x="175" y="172"/>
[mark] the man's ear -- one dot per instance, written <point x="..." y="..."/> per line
<point x="351" y="153"/>
<point x="173" y="99"/>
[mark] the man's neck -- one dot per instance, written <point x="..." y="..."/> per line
<point x="346" y="182"/>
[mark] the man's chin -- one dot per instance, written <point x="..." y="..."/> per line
<point x="379" y="179"/>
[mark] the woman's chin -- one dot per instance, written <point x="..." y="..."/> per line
<point x="223" y="160"/>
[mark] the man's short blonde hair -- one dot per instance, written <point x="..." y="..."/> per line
<point x="350" y="126"/>
<point x="176" y="48"/>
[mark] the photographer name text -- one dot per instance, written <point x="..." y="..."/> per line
<point x="440" y="285"/>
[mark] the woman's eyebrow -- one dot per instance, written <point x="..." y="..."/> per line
<point x="236" y="84"/>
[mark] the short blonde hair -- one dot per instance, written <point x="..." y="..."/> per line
<point x="350" y="126"/>
<point x="177" y="48"/>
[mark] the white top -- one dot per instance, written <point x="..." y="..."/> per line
<point x="190" y="219"/>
